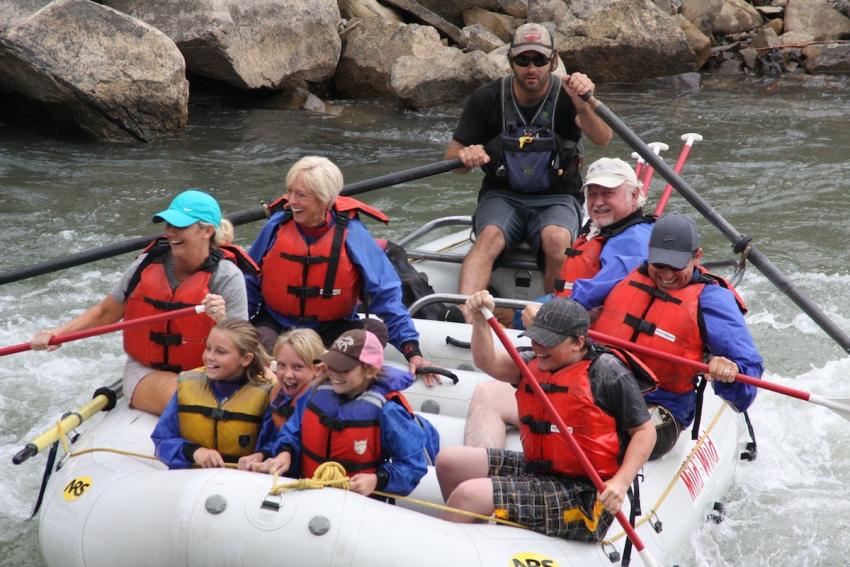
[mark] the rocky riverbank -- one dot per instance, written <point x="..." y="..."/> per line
<point x="116" y="69"/>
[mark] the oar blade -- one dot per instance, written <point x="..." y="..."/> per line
<point x="841" y="406"/>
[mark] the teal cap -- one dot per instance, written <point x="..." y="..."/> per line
<point x="189" y="207"/>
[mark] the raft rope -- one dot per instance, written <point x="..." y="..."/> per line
<point x="653" y="511"/>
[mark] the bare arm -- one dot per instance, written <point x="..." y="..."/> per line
<point x="497" y="364"/>
<point x="640" y="446"/>
<point x="104" y="313"/>
<point x="471" y="156"/>
<point x="590" y="123"/>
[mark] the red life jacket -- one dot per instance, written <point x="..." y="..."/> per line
<point x="583" y="257"/>
<point x="318" y="281"/>
<point x="349" y="432"/>
<point x="545" y="448"/>
<point x="238" y="256"/>
<point x="174" y="345"/>
<point x="637" y="311"/>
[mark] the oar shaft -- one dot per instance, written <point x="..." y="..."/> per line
<point x="70" y="421"/>
<point x="562" y="427"/>
<point x="695" y="364"/>
<point x="680" y="163"/>
<point x="112" y="327"/>
<point x="761" y="262"/>
<point x="238" y="218"/>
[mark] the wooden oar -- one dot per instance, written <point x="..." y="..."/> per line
<point x="839" y="406"/>
<point x="104" y="399"/>
<point x="112" y="327"/>
<point x="739" y="241"/>
<point x="565" y="431"/>
<point x="241" y="217"/>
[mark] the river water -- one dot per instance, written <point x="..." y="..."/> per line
<point x="774" y="163"/>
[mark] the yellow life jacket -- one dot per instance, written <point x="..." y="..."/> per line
<point x="230" y="428"/>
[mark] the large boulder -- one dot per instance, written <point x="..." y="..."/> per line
<point x="699" y="42"/>
<point x="256" y="44"/>
<point x="367" y="9"/>
<point x="817" y="19"/>
<point x="827" y="58"/>
<point x="736" y="16"/>
<point x="627" y="40"/>
<point x="444" y="77"/>
<point x="702" y="13"/>
<point x="371" y="48"/>
<point x="110" y="75"/>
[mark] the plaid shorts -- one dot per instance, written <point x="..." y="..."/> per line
<point x="559" y="506"/>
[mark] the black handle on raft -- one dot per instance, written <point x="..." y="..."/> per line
<point x="437" y="370"/>
<point x="29" y="451"/>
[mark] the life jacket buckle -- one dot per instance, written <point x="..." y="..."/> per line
<point x="525" y="139"/>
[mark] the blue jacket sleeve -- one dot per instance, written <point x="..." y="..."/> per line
<point x="620" y="255"/>
<point x="268" y="432"/>
<point x="728" y="335"/>
<point x="381" y="282"/>
<point x="167" y="442"/>
<point x="403" y="444"/>
<point x="257" y="251"/>
<point x="289" y="436"/>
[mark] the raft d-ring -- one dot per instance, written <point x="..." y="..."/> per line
<point x="655" y="522"/>
<point x="611" y="551"/>
<point x="272" y="502"/>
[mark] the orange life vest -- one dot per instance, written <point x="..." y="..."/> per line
<point x="177" y="344"/>
<point x="348" y="433"/>
<point x="637" y="311"/>
<point x="583" y="257"/>
<point x="545" y="448"/>
<point x="318" y="281"/>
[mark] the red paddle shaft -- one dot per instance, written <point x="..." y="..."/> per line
<point x="689" y="140"/>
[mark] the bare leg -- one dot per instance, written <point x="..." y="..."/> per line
<point x="554" y="241"/>
<point x="457" y="464"/>
<point x="475" y="495"/>
<point x="154" y="392"/>
<point x="493" y="405"/>
<point x="478" y="264"/>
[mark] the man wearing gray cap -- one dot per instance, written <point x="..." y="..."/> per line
<point x="545" y="487"/>
<point x="524" y="131"/>
<point x="672" y="304"/>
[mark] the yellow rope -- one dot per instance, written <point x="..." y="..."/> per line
<point x="646" y="517"/>
<point x="61" y="436"/>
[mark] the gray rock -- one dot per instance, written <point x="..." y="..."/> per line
<point x="827" y="58"/>
<point x="452" y="10"/>
<point x="256" y="44"/>
<point x="766" y="37"/>
<point x="371" y="49"/>
<point x="424" y="82"/>
<point x="110" y="75"/>
<point x="749" y="56"/>
<point x="699" y="42"/>
<point x="736" y="16"/>
<point x="12" y="12"/>
<point x="515" y="8"/>
<point x="481" y="39"/>
<point x="499" y="24"/>
<point x="629" y="40"/>
<point x="702" y="13"/>
<point x="816" y="18"/>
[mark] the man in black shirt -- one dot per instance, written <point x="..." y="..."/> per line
<point x="524" y="130"/>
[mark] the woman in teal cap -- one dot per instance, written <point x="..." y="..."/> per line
<point x="181" y="268"/>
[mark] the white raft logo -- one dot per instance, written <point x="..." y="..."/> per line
<point x="343" y="343"/>
<point x="360" y="446"/>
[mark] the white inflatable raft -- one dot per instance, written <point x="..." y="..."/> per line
<point x="108" y="507"/>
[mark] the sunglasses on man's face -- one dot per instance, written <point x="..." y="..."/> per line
<point x="538" y="60"/>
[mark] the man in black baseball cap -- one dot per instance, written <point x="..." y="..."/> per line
<point x="594" y="393"/>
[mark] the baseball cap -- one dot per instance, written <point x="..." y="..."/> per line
<point x="377" y="328"/>
<point x="609" y="172"/>
<point x="673" y="241"/>
<point x="189" y="207"/>
<point x="532" y="37"/>
<point x="556" y="320"/>
<point x="352" y="348"/>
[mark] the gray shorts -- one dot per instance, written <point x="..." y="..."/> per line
<point x="521" y="218"/>
<point x="134" y="372"/>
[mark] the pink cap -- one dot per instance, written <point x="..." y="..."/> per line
<point x="352" y="348"/>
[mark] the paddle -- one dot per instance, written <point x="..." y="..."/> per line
<point x="739" y="241"/>
<point x="565" y="431"/>
<point x="241" y="217"/>
<point x="689" y="140"/>
<point x="104" y="399"/>
<point x="103" y="329"/>
<point x="839" y="406"/>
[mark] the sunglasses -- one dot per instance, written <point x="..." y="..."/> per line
<point x="538" y="60"/>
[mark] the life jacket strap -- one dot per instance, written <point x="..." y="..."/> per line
<point x="219" y="414"/>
